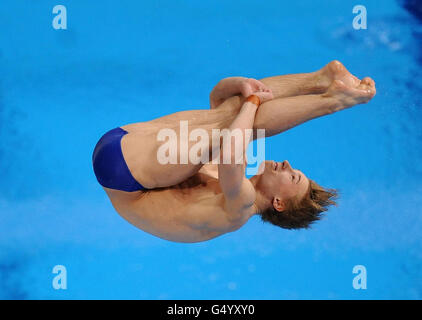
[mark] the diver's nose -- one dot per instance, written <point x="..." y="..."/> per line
<point x="286" y="165"/>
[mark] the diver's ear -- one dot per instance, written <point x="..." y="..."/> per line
<point x="278" y="204"/>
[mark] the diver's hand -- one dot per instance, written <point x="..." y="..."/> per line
<point x="231" y="86"/>
<point x="250" y="86"/>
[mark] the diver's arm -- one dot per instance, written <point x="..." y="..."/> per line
<point x="237" y="189"/>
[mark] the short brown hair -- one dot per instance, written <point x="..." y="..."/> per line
<point x="301" y="214"/>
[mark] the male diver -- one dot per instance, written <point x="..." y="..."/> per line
<point x="192" y="202"/>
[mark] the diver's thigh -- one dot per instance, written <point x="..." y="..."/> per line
<point x="141" y="151"/>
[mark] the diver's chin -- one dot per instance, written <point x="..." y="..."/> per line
<point x="261" y="168"/>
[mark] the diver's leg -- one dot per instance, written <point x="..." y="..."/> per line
<point x="141" y="147"/>
<point x="278" y="115"/>
<point x="292" y="84"/>
<point x="281" y="86"/>
<point x="310" y="83"/>
<point x="146" y="147"/>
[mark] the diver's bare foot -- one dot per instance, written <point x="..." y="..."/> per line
<point x="335" y="70"/>
<point x="348" y="96"/>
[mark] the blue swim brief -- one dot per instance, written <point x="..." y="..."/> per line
<point x="109" y="165"/>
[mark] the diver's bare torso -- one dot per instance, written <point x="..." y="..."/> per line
<point x="191" y="211"/>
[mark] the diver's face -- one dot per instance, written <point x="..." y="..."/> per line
<point x="279" y="179"/>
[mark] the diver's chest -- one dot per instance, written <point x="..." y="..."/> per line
<point x="200" y="185"/>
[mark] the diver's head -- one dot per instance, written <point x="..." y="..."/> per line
<point x="289" y="199"/>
